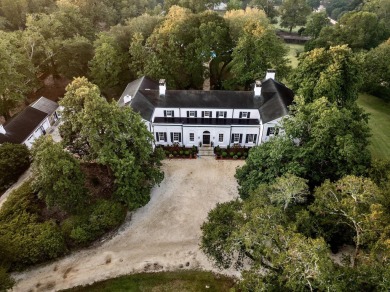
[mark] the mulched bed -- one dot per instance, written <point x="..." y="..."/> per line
<point x="176" y="151"/>
<point x="230" y="153"/>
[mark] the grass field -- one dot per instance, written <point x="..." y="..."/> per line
<point x="379" y="122"/>
<point x="294" y="50"/>
<point x="191" y="281"/>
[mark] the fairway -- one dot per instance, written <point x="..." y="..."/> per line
<point x="379" y="122"/>
<point x="167" y="281"/>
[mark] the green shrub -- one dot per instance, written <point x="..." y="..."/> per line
<point x="224" y="154"/>
<point x="175" y="153"/>
<point x="239" y="154"/>
<point x="167" y="152"/>
<point x="14" y="160"/>
<point x="6" y="282"/>
<point x="187" y="153"/>
<point x="181" y="152"/>
<point x="231" y="154"/>
<point x="235" y="157"/>
<point x="101" y="217"/>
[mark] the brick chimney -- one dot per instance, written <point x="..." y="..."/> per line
<point x="162" y="86"/>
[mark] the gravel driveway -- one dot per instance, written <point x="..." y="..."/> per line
<point x="161" y="236"/>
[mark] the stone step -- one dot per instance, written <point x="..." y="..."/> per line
<point x="206" y="151"/>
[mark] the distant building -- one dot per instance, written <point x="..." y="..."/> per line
<point x="31" y="123"/>
<point x="217" y="117"/>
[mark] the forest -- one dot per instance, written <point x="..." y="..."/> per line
<point x="303" y="196"/>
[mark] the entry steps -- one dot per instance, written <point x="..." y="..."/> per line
<point x="205" y="151"/>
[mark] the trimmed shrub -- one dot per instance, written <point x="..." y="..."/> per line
<point x="239" y="154"/>
<point x="14" y="160"/>
<point x="224" y="154"/>
<point x="231" y="154"/>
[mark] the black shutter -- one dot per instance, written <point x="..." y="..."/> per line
<point x="232" y="138"/>
<point x="268" y="130"/>
<point x="171" y="137"/>
<point x="254" y="138"/>
<point x="165" y="113"/>
<point x="224" y="114"/>
<point x="247" y="137"/>
<point x="240" y="115"/>
<point x="188" y="114"/>
<point x="196" y="114"/>
<point x="179" y="137"/>
<point x="202" y="114"/>
<point x="173" y="114"/>
<point x="217" y="114"/>
<point x="157" y="137"/>
<point x="165" y="137"/>
<point x="211" y="114"/>
<point x="240" y="138"/>
<point x="249" y="115"/>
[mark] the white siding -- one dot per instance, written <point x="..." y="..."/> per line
<point x="272" y="124"/>
<point x="254" y="114"/>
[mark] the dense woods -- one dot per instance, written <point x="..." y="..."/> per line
<point x="304" y="194"/>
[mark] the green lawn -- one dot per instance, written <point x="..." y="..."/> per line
<point x="164" y="281"/>
<point x="294" y="50"/>
<point x="379" y="122"/>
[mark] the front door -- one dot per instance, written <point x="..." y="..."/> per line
<point x="206" y="138"/>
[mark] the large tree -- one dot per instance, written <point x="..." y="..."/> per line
<point x="334" y="73"/>
<point x="117" y="137"/>
<point x="322" y="141"/>
<point x="57" y="176"/>
<point x="293" y="13"/>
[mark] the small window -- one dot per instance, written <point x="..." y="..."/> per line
<point x="161" y="136"/>
<point x="244" y="115"/>
<point x="176" y="137"/>
<point x="221" y="114"/>
<point x="192" y="137"/>
<point x="220" y="137"/>
<point x="271" y="131"/>
<point x="169" y="113"/>
<point x="251" y="138"/>
<point x="236" y="138"/>
<point x="206" y="114"/>
<point x="192" y="114"/>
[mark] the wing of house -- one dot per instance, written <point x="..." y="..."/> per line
<point x="31" y="123"/>
<point x="218" y="117"/>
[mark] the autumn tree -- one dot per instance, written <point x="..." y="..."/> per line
<point x="334" y="73"/>
<point x="59" y="184"/>
<point x="293" y="13"/>
<point x="267" y="5"/>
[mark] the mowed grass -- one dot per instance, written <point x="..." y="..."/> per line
<point x="191" y="281"/>
<point x="379" y="122"/>
<point x="294" y="51"/>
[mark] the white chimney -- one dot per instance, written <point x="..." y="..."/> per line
<point x="2" y="130"/>
<point x="257" y="88"/>
<point x="162" y="86"/>
<point x="270" y="74"/>
<point x="127" y="98"/>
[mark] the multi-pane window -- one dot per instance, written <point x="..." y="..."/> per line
<point x="236" y="138"/>
<point x="161" y="136"/>
<point x="192" y="114"/>
<point x="245" y="115"/>
<point x="251" y="138"/>
<point x="271" y="131"/>
<point x="169" y="113"/>
<point x="206" y="114"/>
<point x="220" y="137"/>
<point x="192" y="137"/>
<point x="176" y="137"/>
<point x="221" y="114"/>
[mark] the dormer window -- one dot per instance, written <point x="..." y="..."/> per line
<point x="221" y="114"/>
<point x="191" y="114"/>
<point x="206" y="114"/>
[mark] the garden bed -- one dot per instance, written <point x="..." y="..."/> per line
<point x="177" y="151"/>
<point x="235" y="152"/>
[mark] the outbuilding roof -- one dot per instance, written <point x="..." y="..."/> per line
<point x="272" y="103"/>
<point x="45" y="105"/>
<point x="20" y="127"/>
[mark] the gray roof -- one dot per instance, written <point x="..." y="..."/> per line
<point x="45" y="105"/>
<point x="272" y="104"/>
<point x="19" y="128"/>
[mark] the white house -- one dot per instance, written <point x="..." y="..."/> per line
<point x="210" y="118"/>
<point x="31" y="123"/>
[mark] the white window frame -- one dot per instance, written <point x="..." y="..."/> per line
<point x="169" y="113"/>
<point x="207" y="114"/>
<point x="192" y="137"/>
<point x="273" y="129"/>
<point x="191" y="114"/>
<point x="244" y="115"/>
<point x="221" y="114"/>
<point x="161" y="136"/>
<point x="176" y="135"/>
<point x="251" y="138"/>
<point x="220" y="138"/>
<point x="236" y="138"/>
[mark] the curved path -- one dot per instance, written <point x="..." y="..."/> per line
<point x="161" y="236"/>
